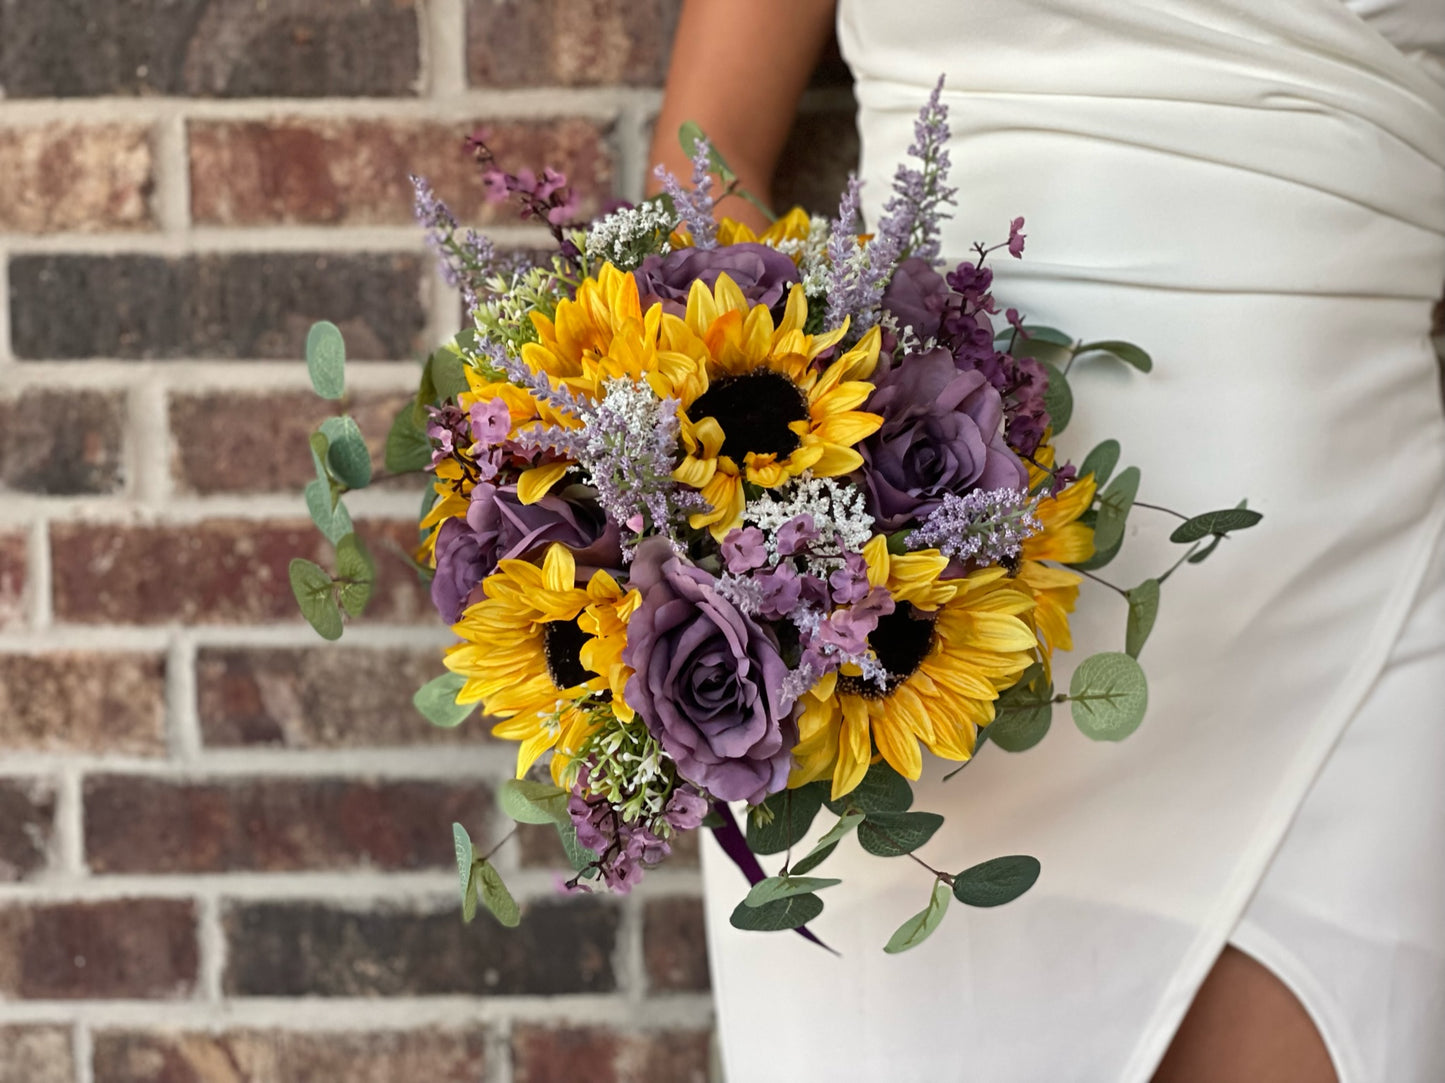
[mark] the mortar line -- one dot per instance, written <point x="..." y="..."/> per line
<point x="264" y="238"/>
<point x="172" y="196"/>
<point x="83" y="1049"/>
<point x="192" y="376"/>
<point x="38" y="574"/>
<point x="147" y="440"/>
<point x="69" y="826"/>
<point x="211" y="945"/>
<point x="183" y="727"/>
<point x="21" y="510"/>
<point x="156" y="639"/>
<point x="631" y="966"/>
<point x="499" y="1053"/>
<point x="459" y="762"/>
<point x="444" y="49"/>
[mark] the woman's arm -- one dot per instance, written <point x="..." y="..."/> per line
<point x="738" y="69"/>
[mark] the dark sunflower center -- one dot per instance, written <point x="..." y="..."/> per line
<point x="902" y="640"/>
<point x="754" y="411"/>
<point x="562" y="644"/>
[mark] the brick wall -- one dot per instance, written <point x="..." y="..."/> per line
<point x="224" y="847"/>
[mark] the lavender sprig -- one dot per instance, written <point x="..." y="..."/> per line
<point x="858" y="273"/>
<point x="912" y="217"/>
<point x="466" y="258"/>
<point x="988" y="526"/>
<point x="694" y="207"/>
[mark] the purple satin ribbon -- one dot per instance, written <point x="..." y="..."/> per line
<point x="730" y="837"/>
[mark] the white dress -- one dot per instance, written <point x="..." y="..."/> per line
<point x="1253" y="190"/>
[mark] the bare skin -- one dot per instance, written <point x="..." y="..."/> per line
<point x="738" y="69"/>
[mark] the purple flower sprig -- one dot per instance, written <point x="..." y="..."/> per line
<point x="465" y="257"/>
<point x="912" y="217"/>
<point x="547" y="197"/>
<point x="985" y="527"/>
<point x="857" y="273"/>
<point x="694" y="207"/>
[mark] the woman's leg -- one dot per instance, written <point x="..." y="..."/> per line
<point x="1245" y="1026"/>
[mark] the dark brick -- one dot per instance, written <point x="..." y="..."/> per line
<point x="82" y="701"/>
<point x="355" y="171"/>
<point x="227" y="48"/>
<point x="218" y="571"/>
<point x="513" y="43"/>
<point x="326" y="697"/>
<point x="311" y="949"/>
<point x="674" y="946"/>
<point x="545" y="1054"/>
<point x="27" y="827"/>
<point x="14" y="560"/>
<point x="813" y="168"/>
<point x="141" y="824"/>
<point x="36" y="1054"/>
<point x="278" y="1056"/>
<point x="237" y="305"/>
<point x="75" y="177"/>
<point x="61" y="444"/>
<point x="219" y="446"/>
<point x="541" y="849"/>
<point x="118" y="949"/>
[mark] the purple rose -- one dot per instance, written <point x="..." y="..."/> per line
<point x="498" y="526"/>
<point x="942" y="433"/>
<point x="916" y="294"/>
<point x="708" y="680"/>
<point x="764" y="274"/>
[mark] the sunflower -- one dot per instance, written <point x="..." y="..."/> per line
<point x="757" y="408"/>
<point x="1063" y="540"/>
<point x="523" y="651"/>
<point x="795" y="225"/>
<point x="949" y="647"/>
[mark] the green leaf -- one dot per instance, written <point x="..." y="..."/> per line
<point x="462" y="843"/>
<point x="326" y="359"/>
<point x="496" y="897"/>
<point x="347" y="458"/>
<point x="1023" y="714"/>
<point x="828" y="843"/>
<point x="319" y="446"/>
<point x="315" y="595"/>
<point x="995" y="882"/>
<point x="1101" y="462"/>
<point x="407" y="447"/>
<point x="882" y="790"/>
<point x="1203" y="554"/>
<point x="1126" y="352"/>
<point x="1058" y="398"/>
<point x="689" y="134"/>
<point x="781" y="887"/>
<point x="437" y="701"/>
<point x="578" y="856"/>
<point x="448" y="375"/>
<point x="530" y="802"/>
<point x="1115" y="503"/>
<point x="813" y="859"/>
<point x="920" y="926"/>
<point x="786" y="913"/>
<point x="334" y="522"/>
<point x="1051" y="335"/>
<point x="1143" y="609"/>
<point x="792" y="813"/>
<point x="1101" y="557"/>
<point x="469" y="897"/>
<point x="355" y="574"/>
<point x="894" y="834"/>
<point x="1108" y="696"/>
<point x="1214" y="522"/>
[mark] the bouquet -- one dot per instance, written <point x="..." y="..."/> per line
<point x="722" y="518"/>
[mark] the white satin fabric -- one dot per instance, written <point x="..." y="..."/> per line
<point x="1255" y="192"/>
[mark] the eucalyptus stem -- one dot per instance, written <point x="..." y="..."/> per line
<point x="1157" y="507"/>
<point x="1102" y="582"/>
<point x="504" y="840"/>
<point x="1175" y="566"/>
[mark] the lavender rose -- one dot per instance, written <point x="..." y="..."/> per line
<point x="916" y="294"/>
<point x="498" y="526"/>
<point x="942" y="433"/>
<point x="708" y="680"/>
<point x="764" y="274"/>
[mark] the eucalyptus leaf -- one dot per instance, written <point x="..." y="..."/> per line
<point x="995" y="882"/>
<point x="1051" y="335"/>
<point x="578" y="856"/>
<point x="311" y="584"/>
<point x="1101" y="557"/>
<point x="448" y="375"/>
<point x="1101" y="462"/>
<point x="462" y="843"/>
<point x="530" y="802"/>
<point x="920" y="926"/>
<point x="1214" y="522"/>
<point x="355" y="574"/>
<point x="1126" y="352"/>
<point x="437" y="701"/>
<point x="781" y="887"/>
<point x="348" y="458"/>
<point x="1108" y="696"/>
<point x="333" y="521"/>
<point x="826" y="845"/>
<point x="786" y="913"/>
<point x="319" y="446"/>
<point x="1203" y="554"/>
<point x="1143" y="609"/>
<point x="813" y="859"/>
<point x="407" y="447"/>
<point x="882" y="790"/>
<point x="495" y="896"/>
<point x="1058" y="398"/>
<point x="1024" y="713"/>
<point x="469" y="897"/>
<point x="326" y="359"/>
<point x="895" y="834"/>
<point x="1115" y="503"/>
<point x="792" y="813"/>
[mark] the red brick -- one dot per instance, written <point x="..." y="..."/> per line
<point x="14" y="560"/>
<point x="355" y="171"/>
<point x="84" y="177"/>
<point x="543" y="1054"/>
<point x="218" y="571"/>
<point x="218" y="446"/>
<point x="36" y="1054"/>
<point x="514" y="43"/>
<point x="278" y="1056"/>
<point x="80" y="701"/>
<point x="82" y="456"/>
<point x="118" y="949"/>
<point x="141" y="824"/>
<point x="674" y="946"/>
<point x="325" y="697"/>
<point x="27" y="828"/>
